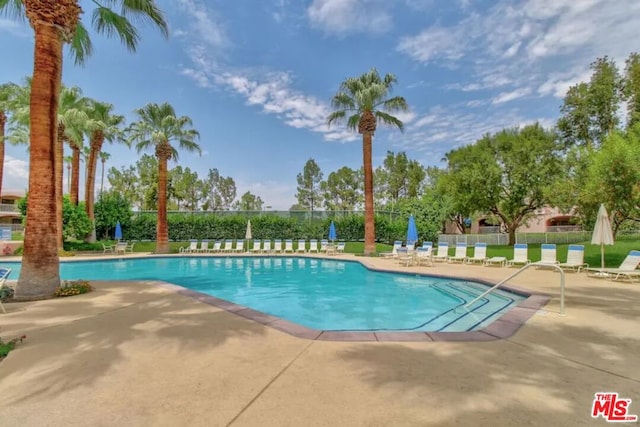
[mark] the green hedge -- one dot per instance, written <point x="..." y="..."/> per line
<point x="183" y="227"/>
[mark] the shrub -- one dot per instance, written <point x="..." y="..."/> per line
<point x="6" y="347"/>
<point x="70" y="288"/>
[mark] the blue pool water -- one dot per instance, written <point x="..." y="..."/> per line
<point x="316" y="293"/>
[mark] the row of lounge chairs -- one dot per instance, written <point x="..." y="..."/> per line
<point x="262" y="246"/>
<point x="118" y="248"/>
<point x="548" y="257"/>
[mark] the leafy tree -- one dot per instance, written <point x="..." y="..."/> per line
<point x="249" y="202"/>
<point x="631" y="89"/>
<point x="157" y="127"/>
<point x="112" y="207"/>
<point x="76" y="223"/>
<point x="125" y="181"/>
<point x="402" y="177"/>
<point x="361" y="102"/>
<point x="55" y="23"/>
<point x="342" y="191"/>
<point x="186" y="187"/>
<point x="309" y="195"/>
<point x="218" y="192"/>
<point x="613" y="178"/>
<point x="505" y="174"/>
<point x="7" y="93"/>
<point x="430" y="212"/>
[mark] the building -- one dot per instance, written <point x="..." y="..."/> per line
<point x="9" y="212"/>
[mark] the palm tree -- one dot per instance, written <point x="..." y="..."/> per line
<point x="68" y="160"/>
<point x="157" y="127"/>
<point x="104" y="156"/>
<point x="361" y="100"/>
<point x="104" y="126"/>
<point x="56" y="22"/>
<point x="7" y="93"/>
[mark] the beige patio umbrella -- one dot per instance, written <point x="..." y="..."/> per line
<point x="247" y="234"/>
<point x="602" y="234"/>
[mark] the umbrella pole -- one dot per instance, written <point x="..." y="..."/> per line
<point x="602" y="255"/>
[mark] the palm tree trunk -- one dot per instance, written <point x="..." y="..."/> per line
<point x="102" y="178"/>
<point x="3" y="122"/>
<point x="89" y="192"/>
<point x="75" y="173"/>
<point x="40" y="273"/>
<point x="369" y="221"/>
<point x="162" y="229"/>
<point x="59" y="180"/>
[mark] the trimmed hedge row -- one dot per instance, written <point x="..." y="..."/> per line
<point x="184" y="227"/>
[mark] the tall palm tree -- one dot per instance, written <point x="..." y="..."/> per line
<point x="68" y="160"/>
<point x="157" y="128"/>
<point x="103" y="126"/>
<point x="104" y="156"/>
<point x="7" y="94"/>
<point x="56" y="22"/>
<point x="362" y="102"/>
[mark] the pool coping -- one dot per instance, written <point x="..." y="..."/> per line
<point x="503" y="327"/>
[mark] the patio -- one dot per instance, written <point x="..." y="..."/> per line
<point x="141" y="354"/>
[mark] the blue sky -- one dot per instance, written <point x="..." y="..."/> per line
<point x="257" y="77"/>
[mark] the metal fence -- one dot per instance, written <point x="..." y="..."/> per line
<point x="503" y="238"/>
<point x="299" y="215"/>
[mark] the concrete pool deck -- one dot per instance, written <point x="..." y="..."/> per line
<point x="138" y="354"/>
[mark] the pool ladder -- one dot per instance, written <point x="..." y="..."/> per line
<point x="537" y="264"/>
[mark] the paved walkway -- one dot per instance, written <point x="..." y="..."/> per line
<point x="138" y="354"/>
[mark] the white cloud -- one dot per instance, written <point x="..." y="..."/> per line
<point x="341" y="17"/>
<point x="511" y="95"/>
<point x="16" y="174"/>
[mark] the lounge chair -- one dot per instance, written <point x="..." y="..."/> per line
<point x="256" y="246"/>
<point x="288" y="246"/>
<point x="228" y="245"/>
<point x="403" y="256"/>
<point x="204" y="246"/>
<point x="394" y="252"/>
<point x="313" y="245"/>
<point x="547" y="255"/>
<point x="442" y="253"/>
<point x="424" y="255"/>
<point x="495" y="260"/>
<point x="4" y="274"/>
<point x="427" y="245"/>
<point x="340" y="247"/>
<point x="575" y="259"/>
<point x="107" y="248"/>
<point x="239" y="246"/>
<point x="520" y="255"/>
<point x="461" y="253"/>
<point x="193" y="246"/>
<point x="266" y="245"/>
<point x="129" y="247"/>
<point x="479" y="253"/>
<point x="217" y="246"/>
<point x="323" y="245"/>
<point x="302" y="245"/>
<point x="121" y="247"/>
<point x="627" y="269"/>
<point x="277" y="246"/>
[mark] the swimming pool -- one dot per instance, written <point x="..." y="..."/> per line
<point x="321" y="294"/>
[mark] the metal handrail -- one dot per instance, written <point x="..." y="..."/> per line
<point x="537" y="264"/>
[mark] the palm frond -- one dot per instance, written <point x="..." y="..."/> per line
<point x="389" y="120"/>
<point x="396" y="103"/>
<point x="336" y="117"/>
<point x="108" y="22"/>
<point x="342" y="101"/>
<point x="145" y="11"/>
<point x="353" y="121"/>
<point x="81" y="47"/>
<point x="13" y="9"/>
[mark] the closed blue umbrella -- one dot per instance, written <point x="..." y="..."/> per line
<point x="412" y="232"/>
<point x="118" y="234"/>
<point x="332" y="232"/>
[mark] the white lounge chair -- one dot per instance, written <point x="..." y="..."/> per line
<point x="228" y="245"/>
<point x="256" y="246"/>
<point x="4" y="274"/>
<point x="313" y="245"/>
<point x="627" y="269"/>
<point x="204" y="246"/>
<point x="442" y="253"/>
<point x="520" y="255"/>
<point x="340" y="247"/>
<point x="239" y="246"/>
<point x="266" y="246"/>
<point x="547" y="255"/>
<point x="427" y="245"/>
<point x="302" y="245"/>
<point x="479" y="253"/>
<point x="424" y="255"/>
<point x="460" y="254"/>
<point x="288" y="246"/>
<point x="323" y="245"/>
<point x="193" y="246"/>
<point x="277" y="246"/>
<point x="217" y="246"/>
<point x="394" y="252"/>
<point x="575" y="259"/>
